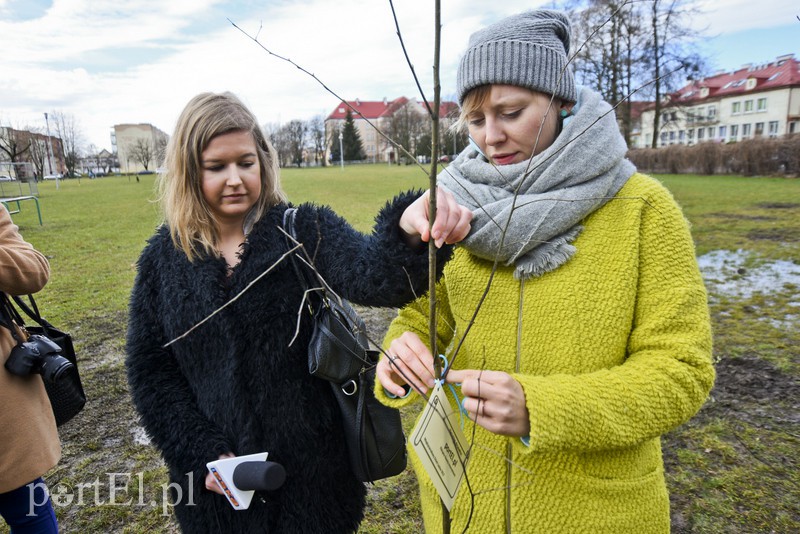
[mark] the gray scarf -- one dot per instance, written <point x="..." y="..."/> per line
<point x="582" y="170"/>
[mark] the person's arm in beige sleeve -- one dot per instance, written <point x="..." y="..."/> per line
<point x="24" y="269"/>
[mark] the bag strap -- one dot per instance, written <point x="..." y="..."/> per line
<point x="10" y="318"/>
<point x="32" y="311"/>
<point x="309" y="278"/>
<point x="288" y="226"/>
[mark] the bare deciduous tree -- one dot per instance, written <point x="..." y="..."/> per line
<point x="14" y="144"/>
<point x="66" y="128"/>
<point x="279" y="138"/>
<point x="610" y="58"/>
<point x="38" y="153"/>
<point x="142" y="151"/>
<point x="295" y="132"/>
<point x="316" y="131"/>
<point x="408" y="126"/>
<point x="670" y="50"/>
<point x="627" y="47"/>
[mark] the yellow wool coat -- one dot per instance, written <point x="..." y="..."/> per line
<point x="29" y="445"/>
<point x="612" y="351"/>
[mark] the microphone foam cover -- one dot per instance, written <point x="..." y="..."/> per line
<point x="259" y="476"/>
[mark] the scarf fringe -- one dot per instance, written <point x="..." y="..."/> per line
<point x="547" y="257"/>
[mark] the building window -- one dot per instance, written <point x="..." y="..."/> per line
<point x="792" y="126"/>
<point x="663" y="138"/>
<point x="746" y="130"/>
<point x="712" y="112"/>
<point x="773" y="128"/>
<point x="722" y="131"/>
<point x="748" y="106"/>
<point x="700" y="133"/>
<point x="690" y="136"/>
<point x="736" y="108"/>
<point x="762" y="104"/>
<point x="734" y="132"/>
<point x="711" y="132"/>
<point x="759" y="129"/>
<point x="681" y="136"/>
<point x="671" y="137"/>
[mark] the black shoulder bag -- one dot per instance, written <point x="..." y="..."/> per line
<point x="339" y="353"/>
<point x="45" y="350"/>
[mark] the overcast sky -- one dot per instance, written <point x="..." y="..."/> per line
<point x="108" y="62"/>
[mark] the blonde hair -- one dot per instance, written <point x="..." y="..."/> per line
<point x="475" y="98"/>
<point x="192" y="225"/>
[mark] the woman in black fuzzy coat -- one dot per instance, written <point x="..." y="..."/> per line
<point x="234" y="385"/>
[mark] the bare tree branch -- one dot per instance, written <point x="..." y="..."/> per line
<point x="408" y="60"/>
<point x="328" y="89"/>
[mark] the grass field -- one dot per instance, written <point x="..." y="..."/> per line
<point x="733" y="468"/>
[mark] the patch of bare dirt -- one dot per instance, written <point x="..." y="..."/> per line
<point x="772" y="234"/>
<point x="778" y="205"/>
<point x="742" y="216"/>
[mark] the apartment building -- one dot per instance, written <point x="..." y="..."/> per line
<point x="755" y="101"/>
<point x="34" y="153"/>
<point x="135" y="144"/>
<point x="381" y="115"/>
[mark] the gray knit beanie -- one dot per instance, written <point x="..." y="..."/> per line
<point x="528" y="50"/>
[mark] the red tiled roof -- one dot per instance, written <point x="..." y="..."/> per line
<point x="639" y="106"/>
<point x="783" y="72"/>
<point x="382" y="108"/>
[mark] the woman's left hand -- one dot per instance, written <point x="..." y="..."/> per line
<point x="494" y="400"/>
<point x="211" y="482"/>
<point x="452" y="222"/>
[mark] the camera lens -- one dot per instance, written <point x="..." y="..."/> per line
<point x="54" y="367"/>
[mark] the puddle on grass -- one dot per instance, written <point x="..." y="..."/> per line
<point x="726" y="274"/>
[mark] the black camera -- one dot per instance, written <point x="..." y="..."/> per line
<point x="38" y="355"/>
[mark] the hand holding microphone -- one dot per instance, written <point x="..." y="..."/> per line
<point x="238" y="477"/>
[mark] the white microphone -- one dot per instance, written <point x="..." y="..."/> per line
<point x="239" y="477"/>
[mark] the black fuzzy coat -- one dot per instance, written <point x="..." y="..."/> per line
<point x="235" y="385"/>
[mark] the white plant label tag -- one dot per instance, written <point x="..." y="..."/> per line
<point x="441" y="446"/>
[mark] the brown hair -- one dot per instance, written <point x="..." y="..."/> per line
<point x="192" y="224"/>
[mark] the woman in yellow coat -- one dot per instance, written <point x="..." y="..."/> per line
<point x="594" y="337"/>
<point x="29" y="445"/>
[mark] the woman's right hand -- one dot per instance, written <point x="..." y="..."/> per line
<point x="452" y="223"/>
<point x="409" y="362"/>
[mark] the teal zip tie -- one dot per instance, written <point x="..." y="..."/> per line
<point x="462" y="412"/>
